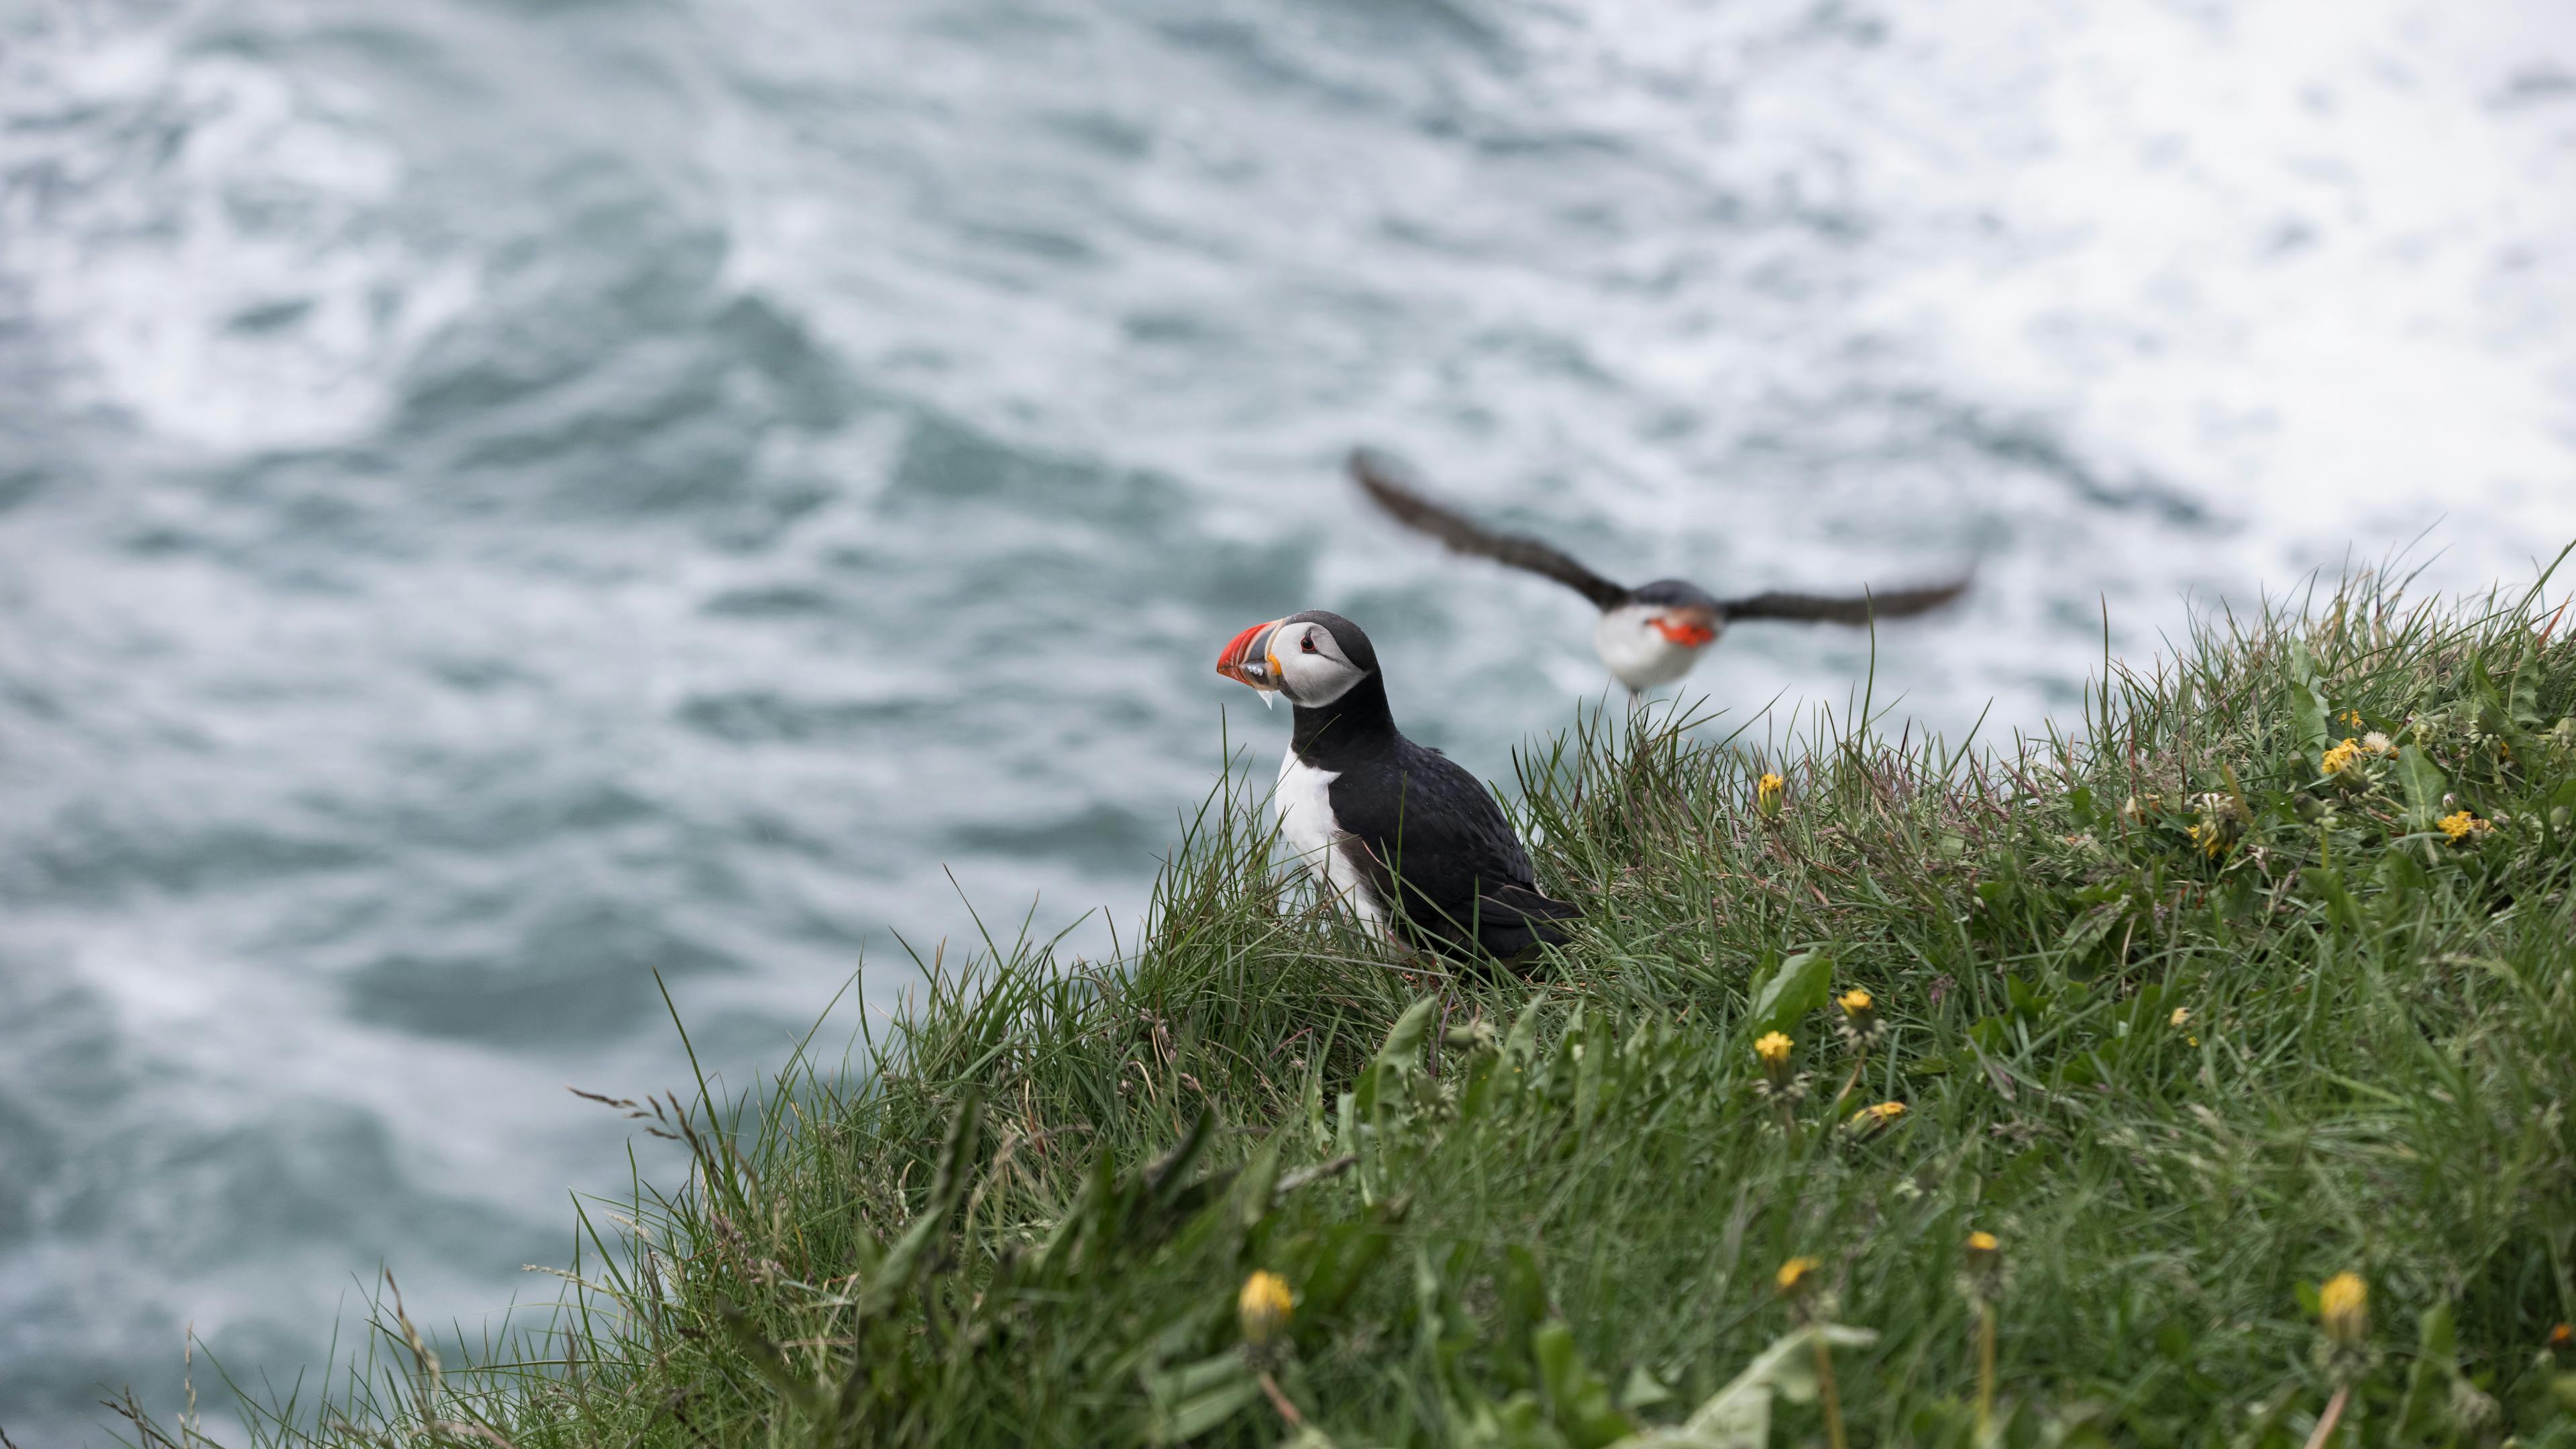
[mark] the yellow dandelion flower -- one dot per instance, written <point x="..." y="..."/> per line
<point x="1796" y="1276"/>
<point x="1869" y="1118"/>
<point x="1767" y="792"/>
<point x="1985" y="1255"/>
<point x="1264" y="1308"/>
<point x="1773" y="1048"/>
<point x="2340" y="758"/>
<point x="1855" y="1001"/>
<point x="2460" y="825"/>
<point x="2343" y="1306"/>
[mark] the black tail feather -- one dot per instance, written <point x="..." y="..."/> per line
<point x="1514" y="919"/>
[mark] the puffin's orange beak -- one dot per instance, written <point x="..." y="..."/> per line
<point x="1688" y="629"/>
<point x="1247" y="659"/>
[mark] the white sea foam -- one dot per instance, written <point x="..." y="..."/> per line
<point x="232" y="266"/>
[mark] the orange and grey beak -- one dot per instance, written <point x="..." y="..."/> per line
<point x="1690" y="628"/>
<point x="1247" y="660"/>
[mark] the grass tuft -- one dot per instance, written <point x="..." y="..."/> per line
<point x="2177" y="1021"/>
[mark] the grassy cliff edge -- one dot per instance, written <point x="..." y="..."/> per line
<point x="2263" y="975"/>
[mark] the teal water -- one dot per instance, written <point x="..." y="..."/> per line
<point x="500" y="499"/>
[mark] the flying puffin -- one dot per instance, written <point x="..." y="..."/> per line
<point x="1379" y="818"/>
<point x="1648" y="635"/>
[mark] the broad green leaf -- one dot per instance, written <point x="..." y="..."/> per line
<point x="1798" y="987"/>
<point x="1260" y="1179"/>
<point x="1401" y="1052"/>
<point x="1739" y="1415"/>
<point x="2424" y="785"/>
<point x="1190" y="1400"/>
<point x="1584" y="1413"/>
<point x="1643" y="1390"/>
<point x="2428" y="1381"/>
<point x="2087" y="930"/>
<point x="2308" y="717"/>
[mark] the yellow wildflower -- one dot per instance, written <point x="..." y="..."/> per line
<point x="1767" y="792"/>
<point x="2343" y="1306"/>
<point x="2460" y="825"/>
<point x="1985" y="1255"/>
<point x="1773" y="1049"/>
<point x="1871" y="1118"/>
<point x="1264" y="1308"/>
<point x="2340" y="758"/>
<point x="1860" y="1026"/>
<point x="1796" y="1277"/>
<point x="2350" y="716"/>
<point x="2181" y="1014"/>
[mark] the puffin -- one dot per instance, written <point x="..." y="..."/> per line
<point x="1403" y="835"/>
<point x="1649" y="635"/>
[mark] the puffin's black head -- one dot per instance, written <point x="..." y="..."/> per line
<point x="1674" y="593"/>
<point x="1312" y="658"/>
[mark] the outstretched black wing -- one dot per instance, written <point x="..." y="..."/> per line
<point x="1425" y="833"/>
<point x="1384" y="480"/>
<point x="1854" y="609"/>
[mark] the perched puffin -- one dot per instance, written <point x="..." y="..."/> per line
<point x="1648" y="635"/>
<point x="1379" y="818"/>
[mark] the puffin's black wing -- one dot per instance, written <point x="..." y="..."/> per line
<point x="1827" y="609"/>
<point x="1382" y="477"/>
<point x="1426" y="832"/>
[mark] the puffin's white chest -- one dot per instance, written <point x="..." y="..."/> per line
<point x="1304" y="800"/>
<point x="1636" y="651"/>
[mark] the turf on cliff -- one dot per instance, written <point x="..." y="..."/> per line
<point x="1906" y="1099"/>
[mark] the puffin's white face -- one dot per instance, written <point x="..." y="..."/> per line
<point x="1310" y="665"/>
<point x="1300" y="660"/>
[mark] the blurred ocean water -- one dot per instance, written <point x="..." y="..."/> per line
<point x="500" y="499"/>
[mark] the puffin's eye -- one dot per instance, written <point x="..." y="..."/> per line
<point x="1306" y="643"/>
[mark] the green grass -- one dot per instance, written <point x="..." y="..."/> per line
<point x="2182" y="1076"/>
